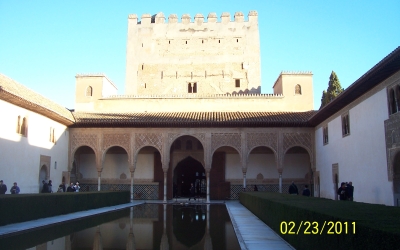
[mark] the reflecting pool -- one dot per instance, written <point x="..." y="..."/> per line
<point x="146" y="226"/>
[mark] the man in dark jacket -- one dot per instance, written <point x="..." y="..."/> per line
<point x="71" y="188"/>
<point x="3" y="187"/>
<point x="342" y="192"/>
<point x="350" y="191"/>
<point x="306" y="191"/>
<point x="45" y="188"/>
<point x="293" y="189"/>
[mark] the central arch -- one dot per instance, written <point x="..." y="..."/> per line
<point x="186" y="166"/>
<point x="186" y="172"/>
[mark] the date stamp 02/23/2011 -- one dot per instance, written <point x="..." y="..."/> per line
<point x="308" y="227"/>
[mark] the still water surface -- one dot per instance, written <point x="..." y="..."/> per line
<point x="147" y="226"/>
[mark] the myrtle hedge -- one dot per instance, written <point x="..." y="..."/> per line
<point x="316" y="223"/>
<point x="25" y="207"/>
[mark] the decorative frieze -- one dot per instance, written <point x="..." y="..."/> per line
<point x="79" y="140"/>
<point x="149" y="139"/>
<point x="262" y="139"/>
<point x="297" y="139"/>
<point x="226" y="139"/>
<point x="122" y="140"/>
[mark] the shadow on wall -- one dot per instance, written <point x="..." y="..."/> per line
<point x="246" y="91"/>
<point x="27" y="173"/>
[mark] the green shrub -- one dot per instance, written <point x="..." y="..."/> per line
<point x="25" y="207"/>
<point x="375" y="226"/>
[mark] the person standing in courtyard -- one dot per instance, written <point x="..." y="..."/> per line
<point x="15" y="189"/>
<point x="50" y="187"/>
<point x="61" y="188"/>
<point x="350" y="191"/>
<point x="45" y="188"/>
<point x="255" y="188"/>
<point x="71" y="187"/>
<point x="77" y="187"/>
<point x="192" y="191"/>
<point x="293" y="189"/>
<point x="306" y="191"/>
<point x="342" y="192"/>
<point x="3" y="187"/>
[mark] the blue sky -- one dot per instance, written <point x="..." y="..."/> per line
<point x="44" y="44"/>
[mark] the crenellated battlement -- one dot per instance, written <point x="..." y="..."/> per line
<point x="205" y="54"/>
<point x="198" y="18"/>
<point x="197" y="96"/>
<point x="296" y="73"/>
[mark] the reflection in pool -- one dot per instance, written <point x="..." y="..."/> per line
<point x="147" y="226"/>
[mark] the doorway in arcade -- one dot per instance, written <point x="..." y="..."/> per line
<point x="186" y="172"/>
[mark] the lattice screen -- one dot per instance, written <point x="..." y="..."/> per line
<point x="236" y="189"/>
<point x="140" y="191"/>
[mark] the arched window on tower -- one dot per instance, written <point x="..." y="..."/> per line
<point x="195" y="87"/>
<point x="19" y="125"/>
<point x="24" y="127"/>
<point x="190" y="89"/>
<point x="297" y="89"/>
<point x="89" y="91"/>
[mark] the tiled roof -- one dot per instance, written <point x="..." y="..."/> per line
<point x="194" y="119"/>
<point x="16" y="93"/>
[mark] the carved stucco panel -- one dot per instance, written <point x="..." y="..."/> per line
<point x="84" y="140"/>
<point x="149" y="139"/>
<point x="298" y="139"/>
<point x="122" y="140"/>
<point x="262" y="139"/>
<point x="199" y="136"/>
<point x="226" y="139"/>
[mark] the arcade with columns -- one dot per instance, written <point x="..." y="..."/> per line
<point x="146" y="160"/>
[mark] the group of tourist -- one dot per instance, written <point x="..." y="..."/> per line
<point x="73" y="188"/>
<point x="346" y="191"/>
<point x="14" y="189"/>
<point x="294" y="190"/>
<point x="46" y="188"/>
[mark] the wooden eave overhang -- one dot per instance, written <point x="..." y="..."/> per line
<point x="22" y="102"/>
<point x="192" y="119"/>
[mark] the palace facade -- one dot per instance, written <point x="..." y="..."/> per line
<point x="193" y="112"/>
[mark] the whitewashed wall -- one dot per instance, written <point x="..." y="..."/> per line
<point x="262" y="164"/>
<point x="20" y="156"/>
<point x="361" y="156"/>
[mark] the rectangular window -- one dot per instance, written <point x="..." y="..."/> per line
<point x="345" y="124"/>
<point x="22" y="126"/>
<point x="237" y="83"/>
<point x="325" y="135"/>
<point x="52" y="137"/>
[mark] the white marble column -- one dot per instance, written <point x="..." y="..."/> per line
<point x="132" y="175"/>
<point x="98" y="180"/>
<point x="208" y="184"/>
<point x="244" y="181"/>
<point x="165" y="184"/>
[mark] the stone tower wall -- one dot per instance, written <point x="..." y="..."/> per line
<point x="168" y="57"/>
